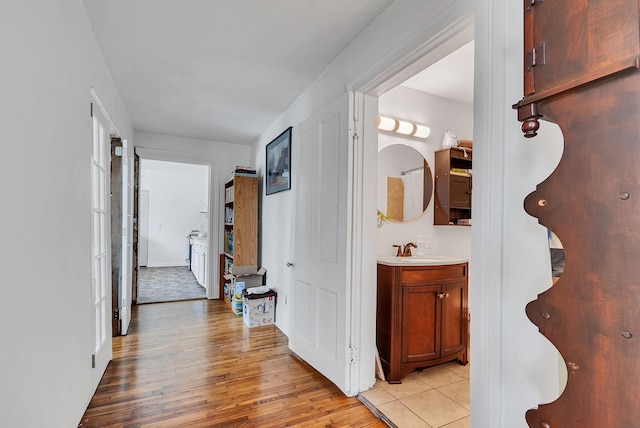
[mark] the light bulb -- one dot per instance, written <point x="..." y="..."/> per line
<point x="405" y="128"/>
<point x="422" y="131"/>
<point x="386" y="124"/>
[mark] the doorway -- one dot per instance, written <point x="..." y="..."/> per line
<point x="441" y="98"/>
<point x="174" y="223"/>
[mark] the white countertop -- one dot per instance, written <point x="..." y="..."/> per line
<point x="427" y="260"/>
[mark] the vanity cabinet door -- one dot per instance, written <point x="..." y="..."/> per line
<point x="420" y="323"/>
<point x="454" y="317"/>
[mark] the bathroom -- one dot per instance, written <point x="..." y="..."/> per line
<point x="437" y="396"/>
<point x="440" y="115"/>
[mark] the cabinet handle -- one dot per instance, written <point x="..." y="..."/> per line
<point x="443" y="295"/>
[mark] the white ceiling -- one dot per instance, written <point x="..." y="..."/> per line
<point x="224" y="70"/>
<point x="220" y="70"/>
<point x="451" y="77"/>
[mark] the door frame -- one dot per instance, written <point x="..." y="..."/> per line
<point x="213" y="241"/>
<point x="409" y="61"/>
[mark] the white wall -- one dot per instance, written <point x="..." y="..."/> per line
<point x="176" y="198"/>
<point x="50" y="64"/>
<point x="440" y="115"/>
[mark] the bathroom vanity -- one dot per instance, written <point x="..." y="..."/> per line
<point x="422" y="313"/>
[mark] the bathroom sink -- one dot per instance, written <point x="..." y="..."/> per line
<point x="419" y="259"/>
<point x="425" y="260"/>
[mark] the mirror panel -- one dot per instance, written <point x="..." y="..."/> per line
<point x="405" y="183"/>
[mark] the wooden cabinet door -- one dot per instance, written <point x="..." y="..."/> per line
<point x="573" y="40"/>
<point x="420" y="323"/>
<point x="454" y="317"/>
<point x="460" y="191"/>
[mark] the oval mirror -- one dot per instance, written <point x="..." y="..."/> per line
<point x="405" y="183"/>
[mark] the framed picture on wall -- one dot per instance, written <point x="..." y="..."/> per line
<point x="278" y="176"/>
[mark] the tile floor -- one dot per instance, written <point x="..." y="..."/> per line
<point x="432" y="398"/>
<point x="168" y="284"/>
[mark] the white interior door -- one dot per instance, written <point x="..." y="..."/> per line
<point x="320" y="293"/>
<point x="127" y="239"/>
<point x="100" y="237"/>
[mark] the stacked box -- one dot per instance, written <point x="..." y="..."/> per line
<point x="236" y="305"/>
<point x="259" y="309"/>
<point x="250" y="275"/>
<point x="237" y="287"/>
<point x="241" y="278"/>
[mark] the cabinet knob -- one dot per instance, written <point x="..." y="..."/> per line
<point x="443" y="295"/>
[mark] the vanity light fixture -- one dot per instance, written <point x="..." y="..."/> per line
<point x="403" y="127"/>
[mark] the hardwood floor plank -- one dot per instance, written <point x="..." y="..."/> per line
<point x="195" y="364"/>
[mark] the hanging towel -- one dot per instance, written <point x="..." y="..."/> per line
<point x="413" y="194"/>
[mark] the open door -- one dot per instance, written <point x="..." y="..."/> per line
<point x="320" y="293"/>
<point x="116" y="233"/>
<point x="135" y="226"/>
<point x="100" y="248"/>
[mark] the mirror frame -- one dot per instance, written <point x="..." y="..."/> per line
<point x="427" y="183"/>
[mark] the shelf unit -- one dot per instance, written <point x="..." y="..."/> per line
<point x="453" y="187"/>
<point x="240" y="223"/>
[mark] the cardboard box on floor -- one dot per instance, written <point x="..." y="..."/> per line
<point x="250" y="275"/>
<point x="259" y="309"/>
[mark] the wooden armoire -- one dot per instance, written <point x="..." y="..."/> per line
<point x="581" y="71"/>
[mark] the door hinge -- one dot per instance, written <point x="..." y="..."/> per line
<point x="93" y="361"/>
<point x="536" y="57"/>
<point x="90" y="109"/>
<point x="353" y="355"/>
<point x="116" y="314"/>
<point x="531" y="3"/>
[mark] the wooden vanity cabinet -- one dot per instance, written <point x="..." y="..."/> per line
<point x="422" y="317"/>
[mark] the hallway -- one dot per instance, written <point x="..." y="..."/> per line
<point x="194" y="363"/>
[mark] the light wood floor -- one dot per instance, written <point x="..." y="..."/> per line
<point x="195" y="364"/>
